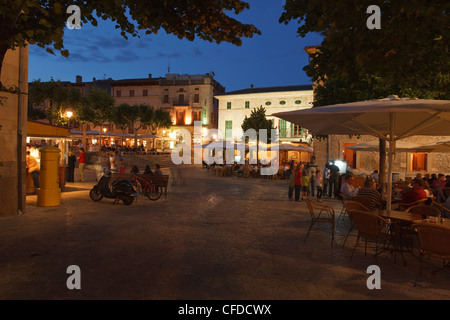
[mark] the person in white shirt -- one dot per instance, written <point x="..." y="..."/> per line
<point x="347" y="189"/>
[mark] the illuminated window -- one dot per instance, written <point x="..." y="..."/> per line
<point x="419" y="161"/>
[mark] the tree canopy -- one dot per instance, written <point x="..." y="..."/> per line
<point x="42" y="23"/>
<point x="410" y="53"/>
<point x="51" y="100"/>
<point x="258" y="121"/>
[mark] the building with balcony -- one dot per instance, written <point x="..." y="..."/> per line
<point x="188" y="98"/>
<point x="236" y="105"/>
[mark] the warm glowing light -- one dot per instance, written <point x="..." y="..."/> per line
<point x="205" y="132"/>
<point x="104" y="129"/>
<point x="69" y="114"/>
<point x="188" y="119"/>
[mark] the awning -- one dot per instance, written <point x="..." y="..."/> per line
<point x="43" y="130"/>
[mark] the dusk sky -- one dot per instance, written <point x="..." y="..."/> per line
<point x="274" y="58"/>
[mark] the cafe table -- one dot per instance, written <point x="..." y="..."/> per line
<point x="401" y="226"/>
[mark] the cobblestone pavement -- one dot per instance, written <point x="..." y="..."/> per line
<point x="209" y="238"/>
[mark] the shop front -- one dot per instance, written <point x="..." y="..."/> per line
<point x="40" y="135"/>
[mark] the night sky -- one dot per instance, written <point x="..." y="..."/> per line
<point x="274" y="58"/>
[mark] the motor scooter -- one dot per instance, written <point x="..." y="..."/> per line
<point x="124" y="190"/>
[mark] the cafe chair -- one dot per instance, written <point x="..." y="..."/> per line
<point x="351" y="206"/>
<point x="320" y="214"/>
<point x="434" y="242"/>
<point x="372" y="228"/>
<point x="343" y="210"/>
<point x="424" y="211"/>
<point x="405" y="206"/>
<point x="445" y="212"/>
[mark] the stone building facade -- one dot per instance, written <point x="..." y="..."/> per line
<point x="13" y="132"/>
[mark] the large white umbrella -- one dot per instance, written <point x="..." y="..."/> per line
<point x="390" y="119"/>
<point x="400" y="146"/>
<point x="290" y="147"/>
<point x="439" y="146"/>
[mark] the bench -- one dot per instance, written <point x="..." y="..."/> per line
<point x="162" y="181"/>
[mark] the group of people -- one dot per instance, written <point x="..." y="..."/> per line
<point x="156" y="170"/>
<point x="306" y="179"/>
<point x="428" y="187"/>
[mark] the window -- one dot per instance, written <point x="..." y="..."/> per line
<point x="228" y="129"/>
<point x="118" y="93"/>
<point x="247" y="104"/>
<point x="282" y="125"/>
<point x="196" y="98"/>
<point x="298" y="101"/>
<point x="145" y="93"/>
<point x="181" y="99"/>
<point x="228" y="105"/>
<point x="166" y="98"/>
<point x="419" y="162"/>
<point x="268" y="103"/>
<point x="349" y="155"/>
<point x="131" y="93"/>
<point x="282" y="102"/>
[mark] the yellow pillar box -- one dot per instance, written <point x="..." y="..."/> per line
<point x="49" y="193"/>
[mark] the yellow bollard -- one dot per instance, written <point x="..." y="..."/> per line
<point x="49" y="193"/>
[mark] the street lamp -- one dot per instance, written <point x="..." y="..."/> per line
<point x="69" y="115"/>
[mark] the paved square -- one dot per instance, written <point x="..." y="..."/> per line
<point x="209" y="238"/>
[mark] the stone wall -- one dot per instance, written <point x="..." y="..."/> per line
<point x="12" y="182"/>
<point x="366" y="162"/>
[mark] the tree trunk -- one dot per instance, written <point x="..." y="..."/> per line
<point x="382" y="173"/>
<point x="84" y="141"/>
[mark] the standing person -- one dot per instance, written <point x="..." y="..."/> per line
<point x="120" y="162"/>
<point x="305" y="182"/>
<point x="297" y="182"/>
<point x="325" y="177"/>
<point x="291" y="184"/>
<point x="71" y="160"/>
<point x="82" y="163"/>
<point x="33" y="168"/>
<point x="319" y="185"/>
<point x="312" y="166"/>
<point x="332" y="184"/>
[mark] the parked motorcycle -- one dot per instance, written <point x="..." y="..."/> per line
<point x="119" y="189"/>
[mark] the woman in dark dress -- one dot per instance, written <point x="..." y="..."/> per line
<point x="71" y="161"/>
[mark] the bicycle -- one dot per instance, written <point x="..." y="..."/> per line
<point x="151" y="190"/>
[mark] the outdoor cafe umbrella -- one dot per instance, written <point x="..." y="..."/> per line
<point x="439" y="146"/>
<point x="390" y="119"/>
<point x="400" y="146"/>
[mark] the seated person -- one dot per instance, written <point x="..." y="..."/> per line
<point x="370" y="191"/>
<point x="134" y="170"/>
<point x="157" y="171"/>
<point x="347" y="189"/>
<point x="415" y="193"/>
<point x="148" y="170"/>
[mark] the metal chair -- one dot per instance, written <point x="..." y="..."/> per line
<point x="434" y="242"/>
<point x="372" y="228"/>
<point x="320" y="214"/>
<point x="351" y="206"/>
